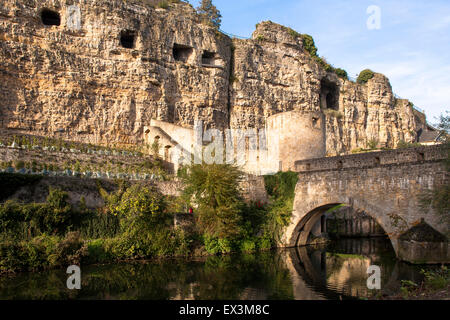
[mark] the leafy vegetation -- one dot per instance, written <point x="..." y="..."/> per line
<point x="310" y="46"/>
<point x="209" y="14"/>
<point x="403" y="144"/>
<point x="365" y="76"/>
<point x="137" y="222"/>
<point x="281" y="189"/>
<point x="438" y="198"/>
<point x="341" y="73"/>
<point x="435" y="280"/>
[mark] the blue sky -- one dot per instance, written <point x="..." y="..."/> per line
<point x="412" y="48"/>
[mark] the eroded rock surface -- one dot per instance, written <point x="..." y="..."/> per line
<point x="110" y="67"/>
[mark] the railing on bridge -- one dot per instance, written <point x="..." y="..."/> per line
<point x="373" y="159"/>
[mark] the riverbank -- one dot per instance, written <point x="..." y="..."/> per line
<point x="138" y="222"/>
<point x="434" y="286"/>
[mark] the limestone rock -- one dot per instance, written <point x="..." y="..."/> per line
<point x="99" y="71"/>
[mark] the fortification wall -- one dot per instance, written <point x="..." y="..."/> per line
<point x="296" y="135"/>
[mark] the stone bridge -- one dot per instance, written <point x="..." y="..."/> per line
<point x="386" y="185"/>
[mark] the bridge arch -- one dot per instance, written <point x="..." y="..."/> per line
<point x="386" y="185"/>
<point x="306" y="218"/>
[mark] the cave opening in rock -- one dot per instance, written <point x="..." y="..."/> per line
<point x="329" y="95"/>
<point x="208" y="58"/>
<point x="182" y="52"/>
<point x="127" y="39"/>
<point x="50" y="18"/>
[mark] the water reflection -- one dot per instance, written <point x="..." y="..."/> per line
<point x="337" y="271"/>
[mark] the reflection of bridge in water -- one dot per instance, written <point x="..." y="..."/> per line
<point x="339" y="271"/>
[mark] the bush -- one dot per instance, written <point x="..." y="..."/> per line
<point x="265" y="243"/>
<point x="97" y="252"/>
<point x="100" y="225"/>
<point x="248" y="246"/>
<point x="53" y="217"/>
<point x="341" y="73"/>
<point x="138" y="207"/>
<point x="163" y="4"/>
<point x="403" y="145"/>
<point x="365" y="76"/>
<point x="372" y="144"/>
<point x="309" y="45"/>
<point x="42" y="252"/>
<point x="216" y="246"/>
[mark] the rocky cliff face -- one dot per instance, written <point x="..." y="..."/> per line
<point x="106" y="68"/>
<point x="273" y="73"/>
<point x="85" y="85"/>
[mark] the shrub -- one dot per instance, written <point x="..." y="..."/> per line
<point x="97" y="252"/>
<point x="437" y="280"/>
<point x="293" y="33"/>
<point x="309" y="45"/>
<point x="216" y="246"/>
<point x="42" y="252"/>
<point x="248" y="246"/>
<point x="265" y="243"/>
<point x="403" y="145"/>
<point x="163" y="4"/>
<point x="372" y="144"/>
<point x="341" y="73"/>
<point x="68" y="251"/>
<point x="260" y="38"/>
<point x="281" y="189"/>
<point x="138" y="207"/>
<point x="365" y="76"/>
<point x="100" y="225"/>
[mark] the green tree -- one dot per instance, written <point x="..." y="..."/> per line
<point x="215" y="190"/>
<point x="209" y="13"/>
<point x="365" y="76"/>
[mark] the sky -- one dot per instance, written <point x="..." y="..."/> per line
<point x="411" y="46"/>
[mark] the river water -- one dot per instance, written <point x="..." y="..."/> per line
<point x="334" y="271"/>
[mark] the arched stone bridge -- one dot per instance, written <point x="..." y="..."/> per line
<point x="387" y="185"/>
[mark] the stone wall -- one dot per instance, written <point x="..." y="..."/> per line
<point x="389" y="192"/>
<point x="295" y="136"/>
<point x="254" y="189"/>
<point x="373" y="159"/>
<point x="85" y="188"/>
